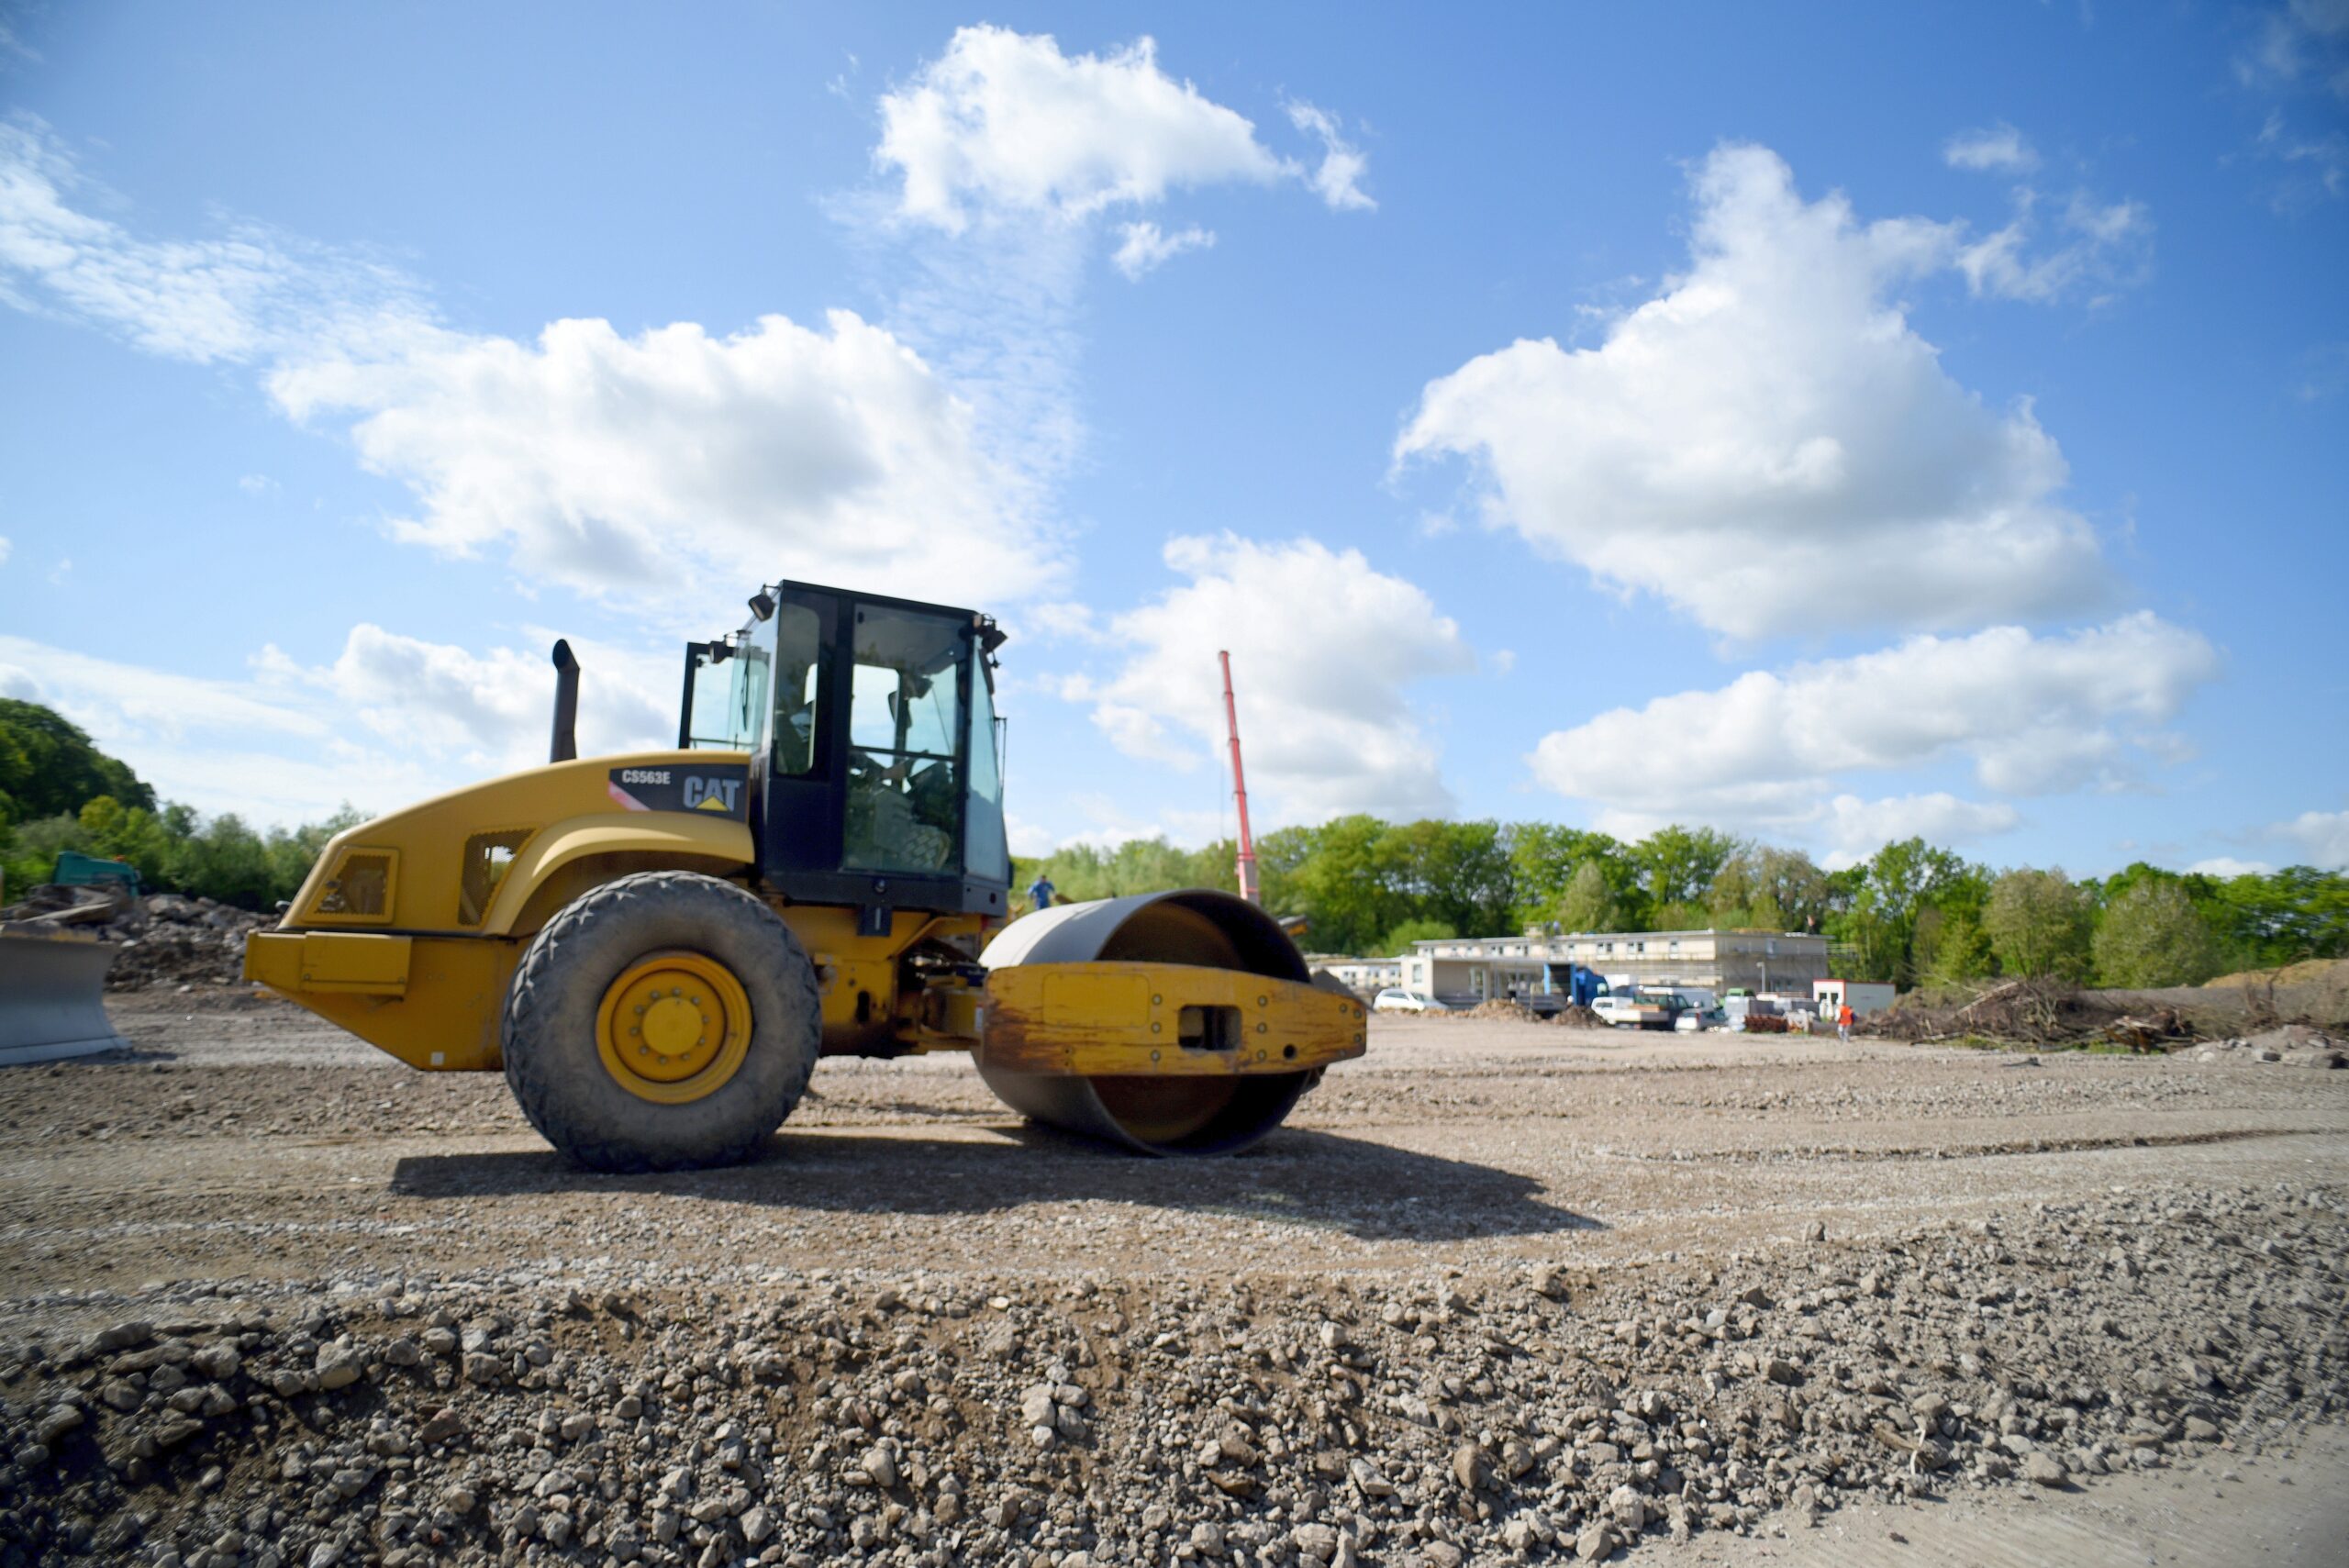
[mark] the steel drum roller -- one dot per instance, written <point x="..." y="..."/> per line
<point x="1154" y="1114"/>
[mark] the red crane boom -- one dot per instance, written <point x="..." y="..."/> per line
<point x="1239" y="789"/>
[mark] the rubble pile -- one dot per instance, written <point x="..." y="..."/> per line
<point x="2295" y="1044"/>
<point x="165" y="939"/>
<point x="543" y="1413"/>
<point x="2030" y="1012"/>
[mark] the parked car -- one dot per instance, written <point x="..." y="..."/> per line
<point x="1395" y="1000"/>
<point x="1637" y="1009"/>
<point x="1622" y="1011"/>
<point x="1695" y="1019"/>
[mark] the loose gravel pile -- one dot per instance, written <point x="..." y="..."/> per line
<point x="807" y="1418"/>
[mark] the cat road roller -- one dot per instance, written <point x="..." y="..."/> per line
<point x="656" y="948"/>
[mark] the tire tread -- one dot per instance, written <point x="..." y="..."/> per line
<point x="537" y="992"/>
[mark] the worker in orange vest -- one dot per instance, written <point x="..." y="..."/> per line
<point x="1844" y="1023"/>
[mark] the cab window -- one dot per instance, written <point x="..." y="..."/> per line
<point x="906" y="706"/>
<point x="798" y="688"/>
<point x="729" y="690"/>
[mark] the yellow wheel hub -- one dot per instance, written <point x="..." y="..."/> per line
<point x="673" y="1028"/>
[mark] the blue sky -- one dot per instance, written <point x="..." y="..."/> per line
<point x="1830" y="423"/>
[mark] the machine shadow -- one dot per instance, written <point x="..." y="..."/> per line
<point x="1370" y="1191"/>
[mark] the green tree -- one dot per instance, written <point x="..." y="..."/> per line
<point x="1546" y="858"/>
<point x="127" y="833"/>
<point x="2152" y="936"/>
<point x="48" y="766"/>
<point x="1399" y="940"/>
<point x="1886" y="898"/>
<point x="1678" y="864"/>
<point x="31" y="856"/>
<point x="2263" y="921"/>
<point x="1950" y="946"/>
<point x="1349" y="885"/>
<point x="227" y="861"/>
<point x="1456" y="872"/>
<point x="1770" y="889"/>
<point x="1589" y="903"/>
<point x="2037" y="924"/>
<point x="1679" y="916"/>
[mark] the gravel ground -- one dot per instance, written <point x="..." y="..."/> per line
<point x="1499" y="1293"/>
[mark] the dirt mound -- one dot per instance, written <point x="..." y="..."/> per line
<point x="2309" y="972"/>
<point x="1500" y="1008"/>
<point x="1576" y="1016"/>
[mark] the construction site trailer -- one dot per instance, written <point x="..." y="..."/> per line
<point x="1864" y="996"/>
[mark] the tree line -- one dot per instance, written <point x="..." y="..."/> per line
<point x="1913" y="913"/>
<point x="58" y="792"/>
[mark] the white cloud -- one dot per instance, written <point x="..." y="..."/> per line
<point x="2106" y="249"/>
<point x="2298" y="57"/>
<point x="2034" y="714"/>
<point x="2321" y="836"/>
<point x="2300" y="40"/>
<point x="5" y="548"/>
<point x="2316" y="165"/>
<point x="1338" y="178"/>
<point x="2000" y="147"/>
<point x="391" y="719"/>
<point x="1145" y="247"/>
<point x="256" y="484"/>
<point x="1005" y="121"/>
<point x="2225" y="866"/>
<point x="1768" y="444"/>
<point x="18" y="684"/>
<point x="245" y="295"/>
<point x="1856" y="828"/>
<point x="640" y="467"/>
<point x="116" y="698"/>
<point x="491" y="708"/>
<point x="1323" y="650"/>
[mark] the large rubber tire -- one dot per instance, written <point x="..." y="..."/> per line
<point x="550" y="1031"/>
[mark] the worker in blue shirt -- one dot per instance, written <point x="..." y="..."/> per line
<point x="1040" y="891"/>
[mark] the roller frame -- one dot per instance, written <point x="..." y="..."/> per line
<point x="1082" y="1028"/>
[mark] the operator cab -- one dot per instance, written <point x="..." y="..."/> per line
<point x="876" y="767"/>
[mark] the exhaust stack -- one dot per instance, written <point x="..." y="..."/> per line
<point x="565" y="745"/>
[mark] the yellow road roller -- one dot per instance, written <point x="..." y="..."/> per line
<point x="656" y="948"/>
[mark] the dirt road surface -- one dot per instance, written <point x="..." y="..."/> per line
<point x="1498" y="1292"/>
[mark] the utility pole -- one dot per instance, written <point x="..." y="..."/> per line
<point x="1239" y="789"/>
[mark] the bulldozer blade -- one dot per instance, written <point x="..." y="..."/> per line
<point x="52" y="996"/>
